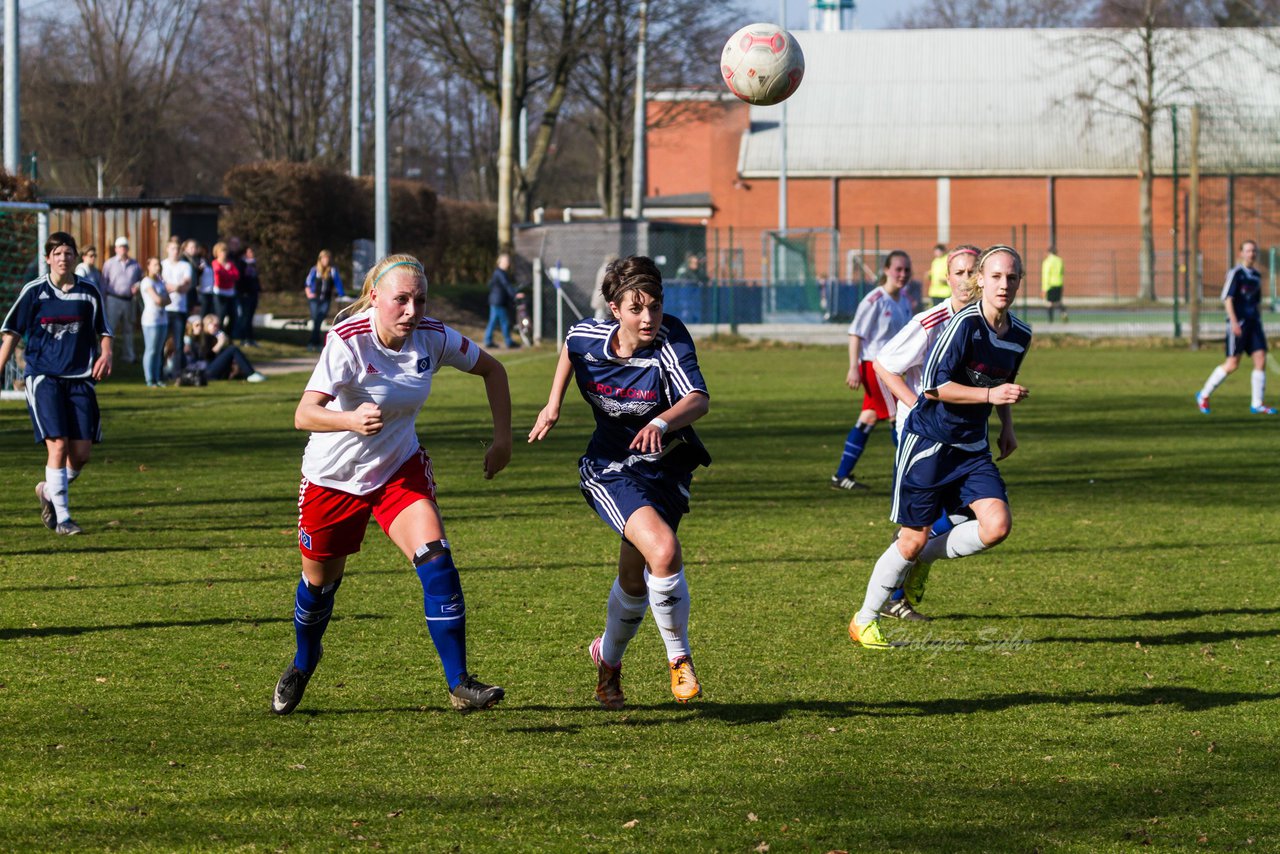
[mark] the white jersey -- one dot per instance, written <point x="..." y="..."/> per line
<point x="174" y="274"/>
<point x="356" y="368"/>
<point x="879" y="317"/>
<point x="904" y="354"/>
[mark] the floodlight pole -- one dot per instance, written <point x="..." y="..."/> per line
<point x="355" y="88"/>
<point x="638" y="142"/>
<point x="780" y="268"/>
<point x="506" y="118"/>
<point x="381" y="205"/>
<point x="12" y="151"/>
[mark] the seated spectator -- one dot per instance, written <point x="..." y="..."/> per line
<point x="216" y="355"/>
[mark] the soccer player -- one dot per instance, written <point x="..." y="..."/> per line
<point x="939" y="276"/>
<point x="944" y="459"/>
<point x="68" y="350"/>
<point x="1242" y="295"/>
<point x="900" y="366"/>
<point x="640" y="373"/>
<point x="879" y="317"/>
<point x="363" y="458"/>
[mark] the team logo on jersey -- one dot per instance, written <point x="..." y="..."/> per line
<point x="424" y="363"/>
<point x="304" y="538"/>
<point x="371" y="369"/>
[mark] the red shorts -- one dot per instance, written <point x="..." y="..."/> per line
<point x="331" y="523"/>
<point x="873" y="391"/>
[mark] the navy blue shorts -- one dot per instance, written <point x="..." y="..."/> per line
<point x="616" y="491"/>
<point x="1252" y="337"/>
<point x="931" y="478"/>
<point x="63" y="408"/>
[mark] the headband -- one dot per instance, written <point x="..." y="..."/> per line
<point x="414" y="264"/>
<point x="999" y="247"/>
<point x="961" y="250"/>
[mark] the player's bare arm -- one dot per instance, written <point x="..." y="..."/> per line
<point x="1005" y="394"/>
<point x="1006" y="442"/>
<point x="101" y="365"/>
<point x="550" y="413"/>
<point x="312" y="416"/>
<point x="498" y="390"/>
<point x="6" y="348"/>
<point x="687" y="410"/>
<point x="896" y="384"/>
<point x="854" y="379"/>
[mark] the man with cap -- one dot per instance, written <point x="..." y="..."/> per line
<point x="121" y="276"/>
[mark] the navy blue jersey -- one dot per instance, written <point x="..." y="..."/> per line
<point x="969" y="353"/>
<point x="626" y="394"/>
<point x="62" y="328"/>
<point x="1244" y="289"/>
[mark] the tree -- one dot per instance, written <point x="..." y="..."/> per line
<point x="1144" y="66"/>
<point x="104" y="85"/>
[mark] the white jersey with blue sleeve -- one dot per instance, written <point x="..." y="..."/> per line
<point x="969" y="352"/>
<point x="355" y="368"/>
<point x="627" y="393"/>
<point x="62" y="328"/>
<point x="906" y="352"/>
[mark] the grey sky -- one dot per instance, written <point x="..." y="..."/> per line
<point x="870" y="15"/>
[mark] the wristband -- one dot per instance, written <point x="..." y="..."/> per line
<point x="660" y="424"/>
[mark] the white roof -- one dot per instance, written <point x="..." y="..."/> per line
<point x="1016" y="102"/>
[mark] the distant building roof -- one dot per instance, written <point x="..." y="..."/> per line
<point x="136" y="202"/>
<point x="1016" y="102"/>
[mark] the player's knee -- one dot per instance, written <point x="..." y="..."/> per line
<point x="663" y="556"/>
<point x="441" y="584"/>
<point x="911" y="543"/>
<point x="993" y="531"/>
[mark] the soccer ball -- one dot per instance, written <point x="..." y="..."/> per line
<point x="762" y="64"/>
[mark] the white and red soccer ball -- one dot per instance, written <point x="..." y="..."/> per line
<point x="762" y="64"/>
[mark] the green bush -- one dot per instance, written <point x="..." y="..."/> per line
<point x="290" y="211"/>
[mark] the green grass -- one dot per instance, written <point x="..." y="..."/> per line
<point x="1105" y="679"/>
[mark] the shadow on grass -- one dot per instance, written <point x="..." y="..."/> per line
<point x="1184" y="614"/>
<point x="71" y="631"/>
<point x="269" y="577"/>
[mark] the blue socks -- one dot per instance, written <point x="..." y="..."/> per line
<point x="311" y="611"/>
<point x="444" y="607"/>
<point x="853" y="445"/>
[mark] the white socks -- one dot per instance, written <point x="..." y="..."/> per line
<point x="623" y="620"/>
<point x="890" y="572"/>
<point x="669" y="601"/>
<point x="1258" y="385"/>
<point x="1215" y="380"/>
<point x="55" y="489"/>
<point x="960" y="541"/>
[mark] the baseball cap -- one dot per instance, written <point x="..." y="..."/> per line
<point x="122" y="241"/>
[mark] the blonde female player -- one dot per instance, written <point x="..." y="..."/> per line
<point x="944" y="459"/>
<point x="363" y="458"/>
<point x="640" y="373"/>
<point x="899" y="365"/>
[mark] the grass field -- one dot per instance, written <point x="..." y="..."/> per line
<point x="1107" y="678"/>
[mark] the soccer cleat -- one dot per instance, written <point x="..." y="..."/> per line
<point x="46" y="509"/>
<point x="608" y="680"/>
<point x="869" y="635"/>
<point x="1262" y="410"/>
<point x="913" y="587"/>
<point x="847" y="483"/>
<point x="472" y="694"/>
<point x="1202" y="403"/>
<point x="684" y="682"/>
<point x="902" y="610"/>
<point x="289" y="690"/>
<point x="68" y="528"/>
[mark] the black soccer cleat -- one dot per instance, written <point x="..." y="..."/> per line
<point x="47" y="515"/>
<point x="288" y="693"/>
<point x="472" y="694"/>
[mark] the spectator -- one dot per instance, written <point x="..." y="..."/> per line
<point x="120" y="278"/>
<point x="177" y="275"/>
<point x="322" y="283"/>
<point x="155" y="326"/>
<point x="219" y="358"/>
<point x="87" y="268"/>
<point x="502" y="294"/>
<point x="226" y="277"/>
<point x="1051" y="278"/>
<point x="193" y="254"/>
<point x="691" y="270"/>
<point x="247" y="292"/>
